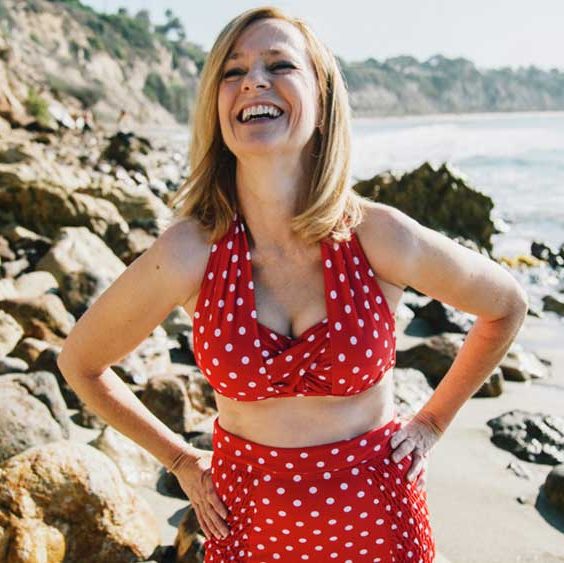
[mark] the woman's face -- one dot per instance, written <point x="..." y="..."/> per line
<point x="258" y="77"/>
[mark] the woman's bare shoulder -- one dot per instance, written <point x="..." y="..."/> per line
<point x="186" y="248"/>
<point x="385" y="239"/>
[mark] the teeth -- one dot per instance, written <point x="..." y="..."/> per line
<point x="258" y="110"/>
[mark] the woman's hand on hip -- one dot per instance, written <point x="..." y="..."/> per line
<point x="416" y="437"/>
<point x="194" y="476"/>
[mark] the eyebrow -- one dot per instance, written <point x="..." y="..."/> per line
<point x="237" y="54"/>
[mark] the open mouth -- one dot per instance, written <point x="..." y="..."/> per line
<point x="261" y="118"/>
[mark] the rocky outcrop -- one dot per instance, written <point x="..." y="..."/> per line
<point x="440" y="199"/>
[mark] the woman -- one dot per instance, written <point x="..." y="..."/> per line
<point x="274" y="257"/>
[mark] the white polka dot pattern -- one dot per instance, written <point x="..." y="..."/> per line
<point x="342" y="501"/>
<point x="343" y="354"/>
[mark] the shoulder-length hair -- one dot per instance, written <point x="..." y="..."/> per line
<point x="330" y="207"/>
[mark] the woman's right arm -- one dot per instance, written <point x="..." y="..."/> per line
<point x="125" y="314"/>
<point x="163" y="277"/>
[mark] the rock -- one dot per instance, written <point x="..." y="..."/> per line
<point x="83" y="266"/>
<point x="34" y="284"/>
<point x="46" y="205"/>
<point x="86" y="418"/>
<point x="177" y="322"/>
<point x="137" y="242"/>
<point x="14" y="268"/>
<point x="150" y="358"/>
<point x="44" y="387"/>
<point x="75" y="497"/>
<point x="11" y="109"/>
<point x="29" y="349"/>
<point x="442" y="317"/>
<point x="555" y="304"/>
<point x="5" y="127"/>
<point x="43" y="317"/>
<point x="519" y="469"/>
<point x="137" y="466"/>
<point x="31" y="540"/>
<point x="518" y="365"/>
<point x="26" y="243"/>
<point x="440" y="199"/>
<point x="554" y="487"/>
<point x="47" y="361"/>
<point x="13" y="155"/>
<point x="434" y="356"/>
<point x="537" y="437"/>
<point x="10" y="333"/>
<point x="6" y="253"/>
<point x="544" y="252"/>
<point x="9" y="364"/>
<point x="411" y="391"/>
<point x="61" y="115"/>
<point x="122" y="148"/>
<point x="135" y="203"/>
<point x="165" y="396"/>
<point x="199" y="390"/>
<point x="25" y="421"/>
<point x="189" y="541"/>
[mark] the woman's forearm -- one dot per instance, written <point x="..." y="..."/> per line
<point x="485" y="346"/>
<point x="110" y="398"/>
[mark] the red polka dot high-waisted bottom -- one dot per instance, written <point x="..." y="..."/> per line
<point x="345" y="501"/>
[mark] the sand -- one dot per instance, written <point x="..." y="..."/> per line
<point x="472" y="494"/>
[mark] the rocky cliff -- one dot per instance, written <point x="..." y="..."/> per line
<point x="60" y="58"/>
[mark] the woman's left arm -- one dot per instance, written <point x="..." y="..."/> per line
<point x="451" y="273"/>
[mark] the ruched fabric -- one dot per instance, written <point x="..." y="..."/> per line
<point x="343" y="354"/>
<point x="344" y="501"/>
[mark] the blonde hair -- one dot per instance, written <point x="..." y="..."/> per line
<point x="330" y="206"/>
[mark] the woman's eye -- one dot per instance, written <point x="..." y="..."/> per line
<point x="274" y="66"/>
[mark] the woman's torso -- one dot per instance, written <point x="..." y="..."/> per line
<point x="290" y="295"/>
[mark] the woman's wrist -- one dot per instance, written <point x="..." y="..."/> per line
<point x="188" y="454"/>
<point x="430" y="420"/>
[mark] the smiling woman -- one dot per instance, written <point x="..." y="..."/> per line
<point x="292" y="280"/>
<point x="270" y="179"/>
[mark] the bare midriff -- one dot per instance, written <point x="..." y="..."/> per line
<point x="308" y="421"/>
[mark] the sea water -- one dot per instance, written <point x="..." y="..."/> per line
<point x="517" y="159"/>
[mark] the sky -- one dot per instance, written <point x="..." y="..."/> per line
<point x="490" y="33"/>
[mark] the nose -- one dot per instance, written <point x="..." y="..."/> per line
<point x="255" y="78"/>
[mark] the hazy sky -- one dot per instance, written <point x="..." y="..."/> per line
<point x="491" y="33"/>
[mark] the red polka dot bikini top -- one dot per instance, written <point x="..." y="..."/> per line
<point x="345" y="353"/>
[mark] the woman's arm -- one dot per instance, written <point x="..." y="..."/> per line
<point x="430" y="262"/>
<point x="159" y="280"/>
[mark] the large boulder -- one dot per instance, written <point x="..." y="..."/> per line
<point x="440" y="199"/>
<point x="66" y="501"/>
<point x="83" y="265"/>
